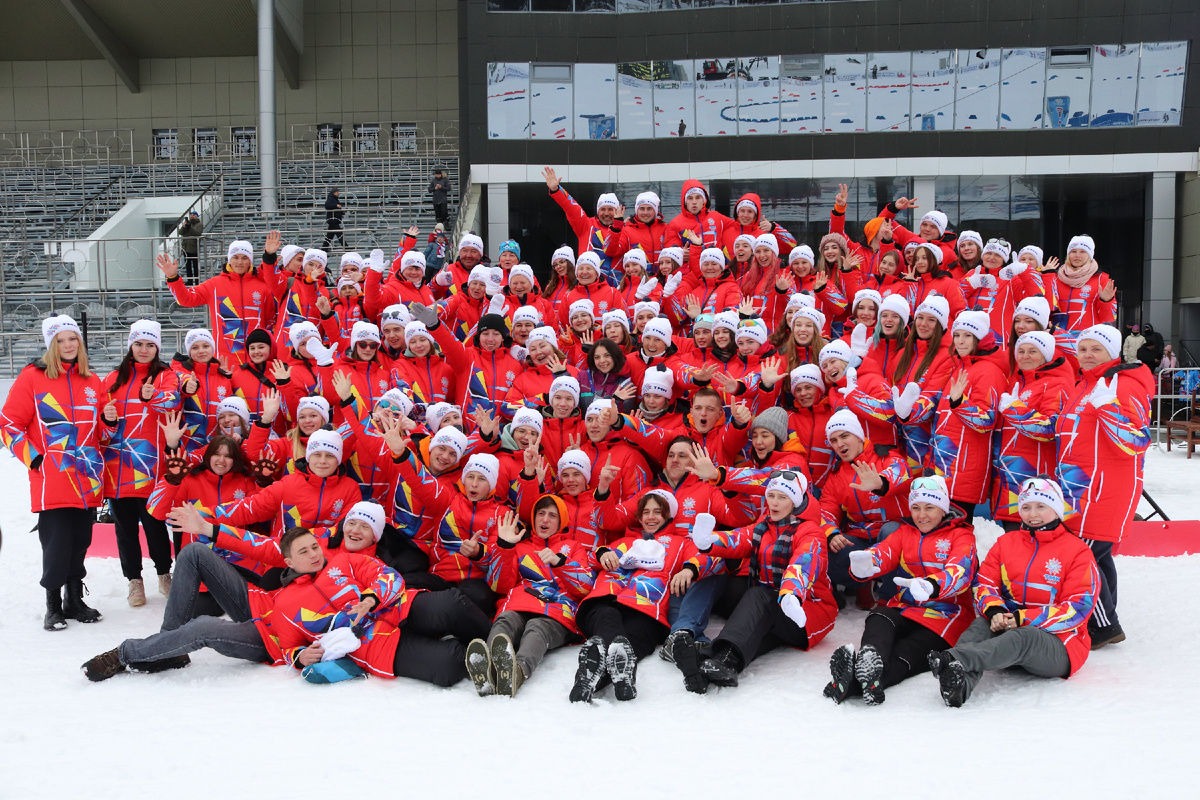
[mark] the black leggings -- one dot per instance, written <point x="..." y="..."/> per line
<point x="422" y="652"/>
<point x="127" y="511"/>
<point x="902" y="644"/>
<point x="608" y="619"/>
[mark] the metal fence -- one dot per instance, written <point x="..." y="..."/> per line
<point x="1173" y="402"/>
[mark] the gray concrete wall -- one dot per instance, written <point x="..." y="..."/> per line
<point x="362" y="62"/>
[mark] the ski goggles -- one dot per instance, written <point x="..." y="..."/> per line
<point x="926" y="484"/>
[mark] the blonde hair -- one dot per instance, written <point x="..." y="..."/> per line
<point x="54" y="364"/>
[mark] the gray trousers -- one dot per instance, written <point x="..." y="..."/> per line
<point x="1033" y="649"/>
<point x="532" y="634"/>
<point x="236" y="637"/>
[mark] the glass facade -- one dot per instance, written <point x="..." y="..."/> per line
<point x="1094" y="86"/>
<point x="626" y="6"/>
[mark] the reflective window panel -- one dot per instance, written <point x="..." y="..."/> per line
<point x="889" y="91"/>
<point x="1068" y="87"/>
<point x="758" y="95"/>
<point x="716" y="97"/>
<point x="508" y="101"/>
<point x="635" y="106"/>
<point x="1022" y="79"/>
<point x="846" y="93"/>
<point x="933" y="90"/>
<point x="1114" y="85"/>
<point x="801" y="94"/>
<point x="1160" y="83"/>
<point x="595" y="101"/>
<point x="675" y="98"/>
<point x="977" y="90"/>
<point x="550" y="107"/>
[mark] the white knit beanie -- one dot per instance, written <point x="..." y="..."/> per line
<point x="198" y="335"/>
<point x="844" y="420"/>
<point x="659" y="380"/>
<point x="929" y="489"/>
<point x="1043" y="490"/>
<point x="1036" y="308"/>
<point x="576" y="459"/>
<point x="324" y="441"/>
<point x="370" y="513"/>
<point x="146" y="330"/>
<point x="1106" y="335"/>
<point x="1043" y="341"/>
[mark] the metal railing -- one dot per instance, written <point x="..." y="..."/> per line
<point x="66" y="148"/>
<point x="1180" y="383"/>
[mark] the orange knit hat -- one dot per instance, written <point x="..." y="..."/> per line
<point x="872" y="227"/>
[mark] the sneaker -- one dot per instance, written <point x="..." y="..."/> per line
<point x="952" y="677"/>
<point x="103" y="666"/>
<point x="1109" y="634"/>
<point x="55" y="619"/>
<point x="590" y="671"/>
<point x="622" y="668"/>
<point x="164" y="584"/>
<point x="162" y="665"/>
<point x="137" y="593"/>
<point x="841" y="670"/>
<point x="687" y="658"/>
<point x="509" y="675"/>
<point x="479" y="667"/>
<point x="868" y="671"/>
<point x="721" y="669"/>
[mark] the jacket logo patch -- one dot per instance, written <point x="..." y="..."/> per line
<point x="239" y="494"/>
<point x="689" y="505"/>
<point x="90" y="393"/>
<point x="1085" y="290"/>
<point x="942" y="548"/>
<point x="1053" y="571"/>
<point x="221" y="392"/>
<point x="337" y="508"/>
<point x="256" y="297"/>
<point x="1025" y="395"/>
<point x="382" y="385"/>
<point x="509" y="376"/>
<point x="664" y="540"/>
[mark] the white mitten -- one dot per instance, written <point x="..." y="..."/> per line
<point x="919" y="588"/>
<point x="645" y="554"/>
<point x="443" y="278"/>
<point x="904" y="401"/>
<point x="1104" y="393"/>
<point x="851" y="381"/>
<point x="987" y="281"/>
<point x="321" y="354"/>
<point x="518" y="353"/>
<point x="794" y="609"/>
<point x="1012" y="271"/>
<point x="1007" y="398"/>
<point x="862" y="564"/>
<point x="858" y="340"/>
<point x="702" y="531"/>
<point x="672" y="284"/>
<point x="338" y="643"/>
<point x="496" y="304"/>
<point x="645" y="287"/>
<point x="376" y="263"/>
<point x="495" y="281"/>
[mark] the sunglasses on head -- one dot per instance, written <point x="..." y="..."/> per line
<point x="1001" y="242"/>
<point x="786" y="474"/>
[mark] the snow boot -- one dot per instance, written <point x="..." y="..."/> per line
<point x="137" y="593"/>
<point x="479" y="667"/>
<point x="75" y="608"/>
<point x="162" y="665"/>
<point x="841" y="669"/>
<point x="722" y="667"/>
<point x="1107" y="634"/>
<point x="55" y="620"/>
<point x="509" y="675"/>
<point x="667" y="651"/>
<point x="590" y="671"/>
<point x="868" y="671"/>
<point x="952" y="677"/>
<point x="687" y="658"/>
<point x="103" y="666"/>
<point x="622" y="668"/>
<point x="164" y="584"/>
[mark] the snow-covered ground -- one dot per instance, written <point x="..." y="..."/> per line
<point x="1125" y="726"/>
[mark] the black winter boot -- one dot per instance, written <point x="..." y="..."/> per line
<point x="162" y="665"/>
<point x="868" y="670"/>
<point x="952" y="677"/>
<point x="622" y="668"/>
<point x="74" y="607"/>
<point x="55" y="619"/>
<point x="590" y="671"/>
<point x="841" y="670"/>
<point x="103" y="666"/>
<point x="686" y="657"/>
<point x="723" y="667"/>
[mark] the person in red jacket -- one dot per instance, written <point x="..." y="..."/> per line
<point x="298" y="284"/>
<point x="52" y="424"/>
<point x="590" y="284"/>
<point x="709" y="289"/>
<point x="646" y="230"/>
<point x="808" y="413"/>
<point x="141" y="389"/>
<point x="203" y="384"/>
<point x="788" y="600"/>
<point x="1025" y="432"/>
<point x="409" y="285"/>
<point x="541" y="588"/>
<point x="1103" y="434"/>
<point x="998" y="287"/>
<point x="932" y="229"/>
<point x="255" y="379"/>
<point x="934" y="552"/>
<point x="544" y="363"/>
<point x="932" y="278"/>
<point x="749" y="221"/>
<point x="968" y="410"/>
<point x="697" y="227"/>
<point x="625" y="614"/>
<point x="600" y="234"/>
<point x="1035" y="592"/>
<point x="1086" y="296"/>
<point x="239" y="299"/>
<point x="918" y="374"/>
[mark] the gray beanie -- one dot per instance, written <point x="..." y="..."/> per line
<point x="774" y="419"/>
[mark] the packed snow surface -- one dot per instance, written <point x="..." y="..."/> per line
<point x="1125" y="726"/>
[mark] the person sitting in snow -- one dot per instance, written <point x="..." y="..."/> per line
<point x="1034" y="594"/>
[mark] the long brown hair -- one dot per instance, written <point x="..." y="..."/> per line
<point x="54" y="363"/>
<point x="215" y="444"/>
<point x="552" y="285"/>
<point x="910" y="352"/>
<point x="126" y="369"/>
<point x="790" y="350"/>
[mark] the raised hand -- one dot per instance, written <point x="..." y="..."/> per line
<point x="705" y="373"/>
<point x="959" y="384"/>
<point x="187" y="519"/>
<point x="147" y="390"/>
<point x="342" y="384"/>
<point x="174" y="468"/>
<point x="588" y="337"/>
<point x="1109" y="291"/>
<point x="727" y="384"/>
<point x="693" y="307"/>
<point x="552" y="182"/>
<point x="1008" y="398"/>
<point x="508" y="529"/>
<point x="702" y="464"/>
<point x="903" y="203"/>
<point x="608" y="474"/>
<point x="265" y="468"/>
<point x="575" y="441"/>
<point x="742" y="413"/>
<point x="412" y="231"/>
<point x="765" y="225"/>
<point x="626" y="391"/>
<point x="869" y="479"/>
<point x="271" y="403"/>
<point x="167" y="265"/>
<point x="471" y="547"/>
<point x="273" y="242"/>
<point x="280" y="371"/>
<point x="843" y="195"/>
<point x="323" y="304"/>
<point x="556" y="364"/>
<point x="1052" y="263"/>
<point x="645" y="287"/>
<point x="110" y="411"/>
<point x="395" y="438"/>
<point x="746" y="307"/>
<point x="531" y="457"/>
<point x="486" y="422"/>
<point x="172" y="427"/>
<point x="1104" y="393"/>
<point x="820" y="279"/>
<point x="782" y="283"/>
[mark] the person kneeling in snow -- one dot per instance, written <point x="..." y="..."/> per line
<point x="935" y="547"/>
<point x="1036" y="615"/>
<point x="788" y="599"/>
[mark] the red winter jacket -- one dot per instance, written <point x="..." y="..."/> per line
<point x="517" y="573"/>
<point x="1046" y="578"/>
<point x="902" y="236"/>
<point x="603" y="240"/>
<point x="250" y="381"/>
<point x="859" y="513"/>
<point x="648" y="237"/>
<point x="200" y="407"/>
<point x="946" y="286"/>
<point x="1082" y="306"/>
<point x="724" y="441"/>
<point x="1102" y="451"/>
<point x="871" y="401"/>
<point x="380" y="294"/>
<point x="54" y="428"/>
<point x="962" y="435"/>
<point x="296" y="296"/>
<point x="530" y="387"/>
<point x="1002" y="302"/>
<point x="713" y="296"/>
<point x="132" y="450"/>
<point x="206" y="488"/>
<point x="806" y="427"/>
<point x="917" y="428"/>
<point x="483" y="378"/>
<point x="310" y="605"/>
<point x="299" y="499"/>
<point x="604" y="298"/>
<point x="647" y="590"/>
<point x="696" y="232"/>
<point x="694" y="497"/>
<point x="371" y="380"/>
<point x="1025" y="445"/>
<point x="734" y="229"/>
<point x="946" y="556"/>
<point x="237" y="304"/>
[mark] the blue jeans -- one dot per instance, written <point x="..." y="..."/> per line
<point x="693" y="609"/>
<point x="839" y="563"/>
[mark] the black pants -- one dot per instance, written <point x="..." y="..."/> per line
<point x="333" y="231"/>
<point x="423" y="653"/>
<point x="441" y="212"/>
<point x="608" y="619"/>
<point x="758" y="625"/>
<point x="191" y="266"/>
<point x="902" y="644"/>
<point x="479" y="593"/>
<point x="967" y="507"/>
<point x="66" y="535"/>
<point x="127" y="511"/>
<point x="1105" y="611"/>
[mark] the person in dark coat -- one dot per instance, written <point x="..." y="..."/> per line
<point x="189" y="243"/>
<point x="1151" y="352"/>
<point x="439" y="188"/>
<point x="333" y="220"/>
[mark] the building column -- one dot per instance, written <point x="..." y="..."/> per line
<point x="497" y="218"/>
<point x="923" y="190"/>
<point x="1159" y="268"/>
